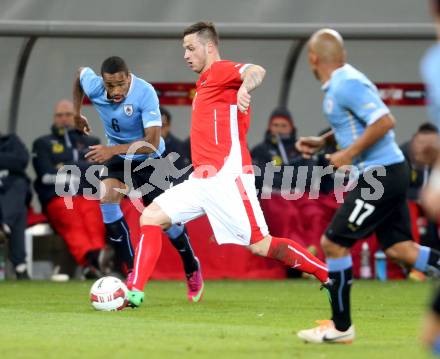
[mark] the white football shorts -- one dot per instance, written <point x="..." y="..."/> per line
<point x="230" y="202"/>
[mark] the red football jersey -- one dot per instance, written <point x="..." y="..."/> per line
<point x="218" y="129"/>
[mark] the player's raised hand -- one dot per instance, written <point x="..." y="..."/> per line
<point x="100" y="153"/>
<point x="82" y="124"/>
<point x="308" y="146"/>
<point x="243" y="99"/>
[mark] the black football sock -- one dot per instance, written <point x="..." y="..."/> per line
<point x="434" y="262"/>
<point x="180" y="240"/>
<point x="428" y="260"/>
<point x="118" y="235"/>
<point x="341" y="273"/>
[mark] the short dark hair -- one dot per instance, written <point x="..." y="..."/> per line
<point x="205" y="29"/>
<point x="282" y="112"/>
<point x="114" y="64"/>
<point x="427" y="127"/>
<point x="166" y="113"/>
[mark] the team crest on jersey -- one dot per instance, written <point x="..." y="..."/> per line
<point x="128" y="109"/>
<point x="328" y="105"/>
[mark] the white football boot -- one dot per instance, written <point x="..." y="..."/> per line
<point x="326" y="332"/>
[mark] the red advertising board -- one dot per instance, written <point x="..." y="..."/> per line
<point x="393" y="94"/>
<point x="170" y="93"/>
<point x="175" y="93"/>
<point x="402" y="94"/>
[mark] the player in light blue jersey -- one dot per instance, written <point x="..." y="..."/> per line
<point x="351" y="104"/>
<point x="430" y="69"/>
<point x="362" y="126"/>
<point x="129" y="110"/>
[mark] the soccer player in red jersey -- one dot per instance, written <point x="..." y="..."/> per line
<point x="222" y="185"/>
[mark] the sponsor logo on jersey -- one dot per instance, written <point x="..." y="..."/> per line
<point x="128" y="109"/>
<point x="57" y="147"/>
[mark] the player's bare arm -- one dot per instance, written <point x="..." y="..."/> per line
<point x="308" y="146"/>
<point x="252" y="78"/>
<point x="81" y="122"/>
<point x="372" y="134"/>
<point x="101" y="153"/>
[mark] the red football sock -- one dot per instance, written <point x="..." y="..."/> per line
<point x="295" y="256"/>
<point x="147" y="254"/>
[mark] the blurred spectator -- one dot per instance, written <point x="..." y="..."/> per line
<point x="330" y="145"/>
<point x="327" y="184"/>
<point x="81" y="226"/>
<point x="186" y="151"/>
<point x="416" y="152"/>
<point x="14" y="191"/>
<point x="277" y="149"/>
<point x="173" y="145"/>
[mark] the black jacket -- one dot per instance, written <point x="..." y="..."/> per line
<point x="14" y="158"/>
<point x="51" y="152"/>
<point x="270" y="152"/>
<point x="276" y="153"/>
<point x="418" y="175"/>
<point x="173" y="144"/>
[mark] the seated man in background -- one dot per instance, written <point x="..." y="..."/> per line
<point x="277" y="149"/>
<point x="14" y="191"/>
<point x="81" y="226"/>
<point x="415" y="153"/>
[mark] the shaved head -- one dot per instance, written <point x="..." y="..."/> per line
<point x="328" y="46"/>
<point x="326" y="53"/>
<point x="63" y="114"/>
<point x="63" y="104"/>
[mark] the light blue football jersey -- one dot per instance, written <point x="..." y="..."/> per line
<point x="351" y="103"/>
<point x="125" y="122"/>
<point x="430" y="68"/>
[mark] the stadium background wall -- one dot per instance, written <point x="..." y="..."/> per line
<point x="53" y="61"/>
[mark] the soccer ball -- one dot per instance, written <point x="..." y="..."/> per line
<point x="108" y="294"/>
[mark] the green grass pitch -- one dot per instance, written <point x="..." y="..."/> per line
<point x="252" y="319"/>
